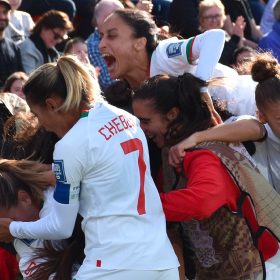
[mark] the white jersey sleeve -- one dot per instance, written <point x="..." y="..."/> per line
<point x="197" y="55"/>
<point x="59" y="223"/>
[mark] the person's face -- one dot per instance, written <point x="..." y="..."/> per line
<point x="52" y="37"/>
<point x="118" y="47"/>
<point x="25" y="210"/>
<point x="153" y="123"/>
<point x="212" y="18"/>
<point x="4" y="17"/>
<point x="244" y="56"/>
<point x="271" y="115"/>
<point x="80" y="50"/>
<point x="15" y="3"/>
<point x="52" y="119"/>
<point x="16" y="88"/>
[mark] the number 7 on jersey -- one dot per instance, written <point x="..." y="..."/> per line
<point x="130" y="146"/>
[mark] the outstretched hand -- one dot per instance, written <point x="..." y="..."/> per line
<point x="5" y="235"/>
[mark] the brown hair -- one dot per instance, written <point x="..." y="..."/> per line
<point x="53" y="19"/>
<point x="69" y="44"/>
<point x="142" y="24"/>
<point x="13" y="77"/>
<point x="265" y="70"/>
<point x="16" y="175"/>
<point x="60" y="260"/>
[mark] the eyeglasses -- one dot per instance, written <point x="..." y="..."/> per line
<point x="57" y="36"/>
<point x="213" y="17"/>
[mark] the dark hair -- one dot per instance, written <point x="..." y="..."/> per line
<point x="181" y="92"/>
<point x="53" y="19"/>
<point x="13" y="77"/>
<point x="240" y="50"/>
<point x="70" y="43"/>
<point x="60" y="260"/>
<point x="119" y="94"/>
<point x="266" y="71"/>
<point x="142" y="24"/>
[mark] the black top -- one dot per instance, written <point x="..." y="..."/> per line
<point x="49" y="55"/>
<point x="235" y="8"/>
<point x="10" y="59"/>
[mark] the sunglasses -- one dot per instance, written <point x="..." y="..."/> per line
<point x="57" y="36"/>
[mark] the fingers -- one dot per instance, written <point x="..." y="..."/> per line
<point x="176" y="155"/>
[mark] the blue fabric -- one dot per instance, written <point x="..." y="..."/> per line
<point x="97" y="60"/>
<point x="271" y="41"/>
<point x="62" y="192"/>
<point x="257" y="9"/>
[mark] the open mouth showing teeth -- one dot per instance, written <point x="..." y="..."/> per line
<point x="109" y="59"/>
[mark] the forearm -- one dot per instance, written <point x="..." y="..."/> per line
<point x="238" y="131"/>
<point x="59" y="224"/>
<point x="256" y="32"/>
<point x="207" y="48"/>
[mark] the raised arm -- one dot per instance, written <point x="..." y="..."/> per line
<point x="237" y="131"/>
<point x="207" y="48"/>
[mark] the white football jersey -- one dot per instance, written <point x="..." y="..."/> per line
<point x="103" y="162"/>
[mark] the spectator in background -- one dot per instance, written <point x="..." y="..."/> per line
<point x="77" y="46"/>
<point x="103" y="9"/>
<point x="241" y="56"/>
<point x="10" y="59"/>
<point x="15" y="83"/>
<point x="212" y="16"/>
<point x="39" y="7"/>
<point x="271" y="40"/>
<point x="236" y="8"/>
<point x="184" y="18"/>
<point x="268" y="18"/>
<point x="257" y="7"/>
<point x="20" y="23"/>
<point x="39" y="48"/>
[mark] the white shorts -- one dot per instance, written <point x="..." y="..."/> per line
<point x="115" y="274"/>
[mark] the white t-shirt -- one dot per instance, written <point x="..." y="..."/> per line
<point x="102" y="169"/>
<point x="19" y="27"/>
<point x="25" y="247"/>
<point x="199" y="56"/>
<point x="267" y="157"/>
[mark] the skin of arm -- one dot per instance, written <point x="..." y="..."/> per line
<point x="237" y="131"/>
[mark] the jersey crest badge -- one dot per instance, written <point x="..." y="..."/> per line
<point x="59" y="170"/>
<point x="174" y="49"/>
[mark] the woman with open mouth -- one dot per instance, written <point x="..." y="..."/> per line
<point x="132" y="50"/>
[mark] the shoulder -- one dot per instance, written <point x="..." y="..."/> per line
<point x="200" y="157"/>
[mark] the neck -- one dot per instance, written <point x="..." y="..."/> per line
<point x="139" y="73"/>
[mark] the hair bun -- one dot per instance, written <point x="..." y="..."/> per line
<point x="265" y="66"/>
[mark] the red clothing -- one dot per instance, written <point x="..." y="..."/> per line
<point x="8" y="265"/>
<point x="210" y="187"/>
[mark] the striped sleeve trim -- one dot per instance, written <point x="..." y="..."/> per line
<point x="189" y="50"/>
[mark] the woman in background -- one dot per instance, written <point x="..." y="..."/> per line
<point x="39" y="48"/>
